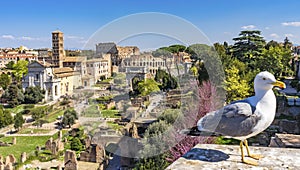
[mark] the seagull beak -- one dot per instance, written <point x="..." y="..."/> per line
<point x="279" y="84"/>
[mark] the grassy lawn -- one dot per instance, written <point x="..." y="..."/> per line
<point x="114" y="125"/>
<point x="107" y="80"/>
<point x="17" y="109"/>
<point x="35" y="131"/>
<point x="53" y="115"/>
<point x="110" y="114"/>
<point x="24" y="144"/>
<point x="91" y="111"/>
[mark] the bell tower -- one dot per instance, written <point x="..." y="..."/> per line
<point x="57" y="49"/>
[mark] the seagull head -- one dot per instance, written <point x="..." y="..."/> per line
<point x="266" y="81"/>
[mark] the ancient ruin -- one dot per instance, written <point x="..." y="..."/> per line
<point x="54" y="146"/>
<point x="23" y="157"/>
<point x="14" y="140"/>
<point x="10" y="159"/>
<point x="94" y="153"/>
<point x="70" y="160"/>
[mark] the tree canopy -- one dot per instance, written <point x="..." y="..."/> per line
<point x="33" y="95"/>
<point x="69" y="118"/>
<point x="236" y="87"/>
<point x="5" y="81"/>
<point x="5" y="117"/>
<point x="13" y="95"/>
<point x="147" y="87"/>
<point x="18" y="121"/>
<point x="20" y="68"/>
<point x="165" y="80"/>
<point x="248" y="45"/>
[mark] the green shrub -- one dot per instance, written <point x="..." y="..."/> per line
<point x="28" y="106"/>
<point x="64" y="102"/>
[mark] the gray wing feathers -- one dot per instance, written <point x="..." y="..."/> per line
<point x="233" y="120"/>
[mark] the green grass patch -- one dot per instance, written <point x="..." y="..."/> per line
<point x="110" y="114"/>
<point x="34" y="131"/>
<point x="26" y="144"/>
<point x="17" y="109"/>
<point x="108" y="80"/>
<point x="114" y="125"/>
<point x="226" y="141"/>
<point x="52" y="117"/>
<point x="91" y="111"/>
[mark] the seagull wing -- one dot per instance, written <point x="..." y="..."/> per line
<point x="234" y="120"/>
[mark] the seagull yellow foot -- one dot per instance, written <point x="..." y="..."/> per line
<point x="250" y="162"/>
<point x="256" y="156"/>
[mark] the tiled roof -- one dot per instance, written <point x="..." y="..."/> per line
<point x="62" y="70"/>
<point x="74" y="59"/>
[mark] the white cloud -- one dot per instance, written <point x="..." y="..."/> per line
<point x="73" y="37"/>
<point x="246" y="27"/>
<point x="293" y="24"/>
<point x="8" y="37"/>
<point x="26" y="38"/>
<point x="267" y="28"/>
<point x="289" y="35"/>
<point x="274" y="35"/>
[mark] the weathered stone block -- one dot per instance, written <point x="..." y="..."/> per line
<point x="70" y="160"/>
<point x="23" y="157"/>
<point x="14" y="140"/>
<point x="8" y="166"/>
<point x="215" y="157"/>
<point x="289" y="126"/>
<point x="10" y="159"/>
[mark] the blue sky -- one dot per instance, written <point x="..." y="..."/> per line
<point x="30" y="22"/>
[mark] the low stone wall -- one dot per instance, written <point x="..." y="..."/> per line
<point x="208" y="156"/>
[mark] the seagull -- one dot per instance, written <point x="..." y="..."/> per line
<point x="245" y="118"/>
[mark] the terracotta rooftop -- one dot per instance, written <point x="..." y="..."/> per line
<point x="96" y="60"/>
<point x="44" y="63"/>
<point x="74" y="59"/>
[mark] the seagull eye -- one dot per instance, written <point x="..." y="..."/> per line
<point x="264" y="78"/>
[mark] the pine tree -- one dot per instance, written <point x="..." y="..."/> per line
<point x="19" y="120"/>
<point x="248" y="45"/>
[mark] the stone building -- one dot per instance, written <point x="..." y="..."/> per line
<point x="76" y="63"/>
<point x="147" y="60"/>
<point x="19" y="54"/>
<point x="91" y="70"/>
<point x="58" y="53"/>
<point x="55" y="81"/>
<point x="54" y="145"/>
<point x="108" y="48"/>
<point x="98" y="68"/>
<point x="70" y="160"/>
<point x="126" y="52"/>
<point x="94" y="153"/>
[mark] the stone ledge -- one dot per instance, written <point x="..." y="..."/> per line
<point x="210" y="156"/>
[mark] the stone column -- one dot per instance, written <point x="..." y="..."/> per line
<point x="23" y="157"/>
<point x="46" y="93"/>
<point x="53" y="91"/>
<point x="14" y="140"/>
<point x="60" y="135"/>
<point x="9" y="166"/>
<point x="41" y="80"/>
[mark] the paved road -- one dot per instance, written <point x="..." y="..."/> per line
<point x="154" y="102"/>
